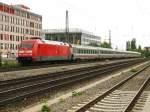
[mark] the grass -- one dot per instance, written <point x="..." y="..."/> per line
<point x="133" y="70"/>
<point x="8" y="64"/>
<point x="45" y="108"/>
<point x="62" y="100"/>
<point x="74" y="93"/>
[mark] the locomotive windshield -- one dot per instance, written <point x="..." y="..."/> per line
<point x="26" y="45"/>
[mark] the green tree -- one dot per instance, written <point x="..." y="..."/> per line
<point x="139" y="49"/>
<point x="105" y="45"/>
<point x="93" y="44"/>
<point x="146" y="53"/>
<point x="133" y="44"/>
<point x="128" y="45"/>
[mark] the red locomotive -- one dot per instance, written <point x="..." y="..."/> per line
<point x="43" y="50"/>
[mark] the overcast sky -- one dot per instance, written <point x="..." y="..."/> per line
<point x="126" y="19"/>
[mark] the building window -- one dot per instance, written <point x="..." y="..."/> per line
<point x="32" y="24"/>
<point x="6" y="18"/>
<point x="31" y="32"/>
<point x="1" y="45"/>
<point x="1" y="17"/>
<point x="6" y="28"/>
<point x="1" y="36"/>
<point x="11" y="38"/>
<point x="1" y="27"/>
<point x="26" y="31"/>
<point x="11" y="19"/>
<point x="40" y="26"/>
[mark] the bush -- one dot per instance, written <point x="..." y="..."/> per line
<point x="133" y="70"/>
<point x="10" y="64"/>
<point x="62" y="100"/>
<point x="45" y="108"/>
<point x="74" y="93"/>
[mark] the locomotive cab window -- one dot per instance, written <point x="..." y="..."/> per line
<point x="26" y="45"/>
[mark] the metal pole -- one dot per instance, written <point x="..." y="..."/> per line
<point x="67" y="28"/>
<point x="0" y="58"/>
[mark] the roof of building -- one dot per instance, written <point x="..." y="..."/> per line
<point x="71" y="30"/>
<point x="20" y="7"/>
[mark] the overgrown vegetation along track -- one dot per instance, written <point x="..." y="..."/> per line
<point x="44" y="65"/>
<point x="40" y="65"/>
<point x="17" y="89"/>
<point x="114" y="99"/>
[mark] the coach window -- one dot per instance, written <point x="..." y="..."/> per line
<point x="79" y="51"/>
<point x="90" y="51"/>
<point x="82" y="51"/>
<point x="101" y="52"/>
<point x="85" y="51"/>
<point x="97" y="52"/>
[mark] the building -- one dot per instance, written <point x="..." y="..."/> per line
<point x="74" y="36"/>
<point x="147" y="49"/>
<point x="17" y="23"/>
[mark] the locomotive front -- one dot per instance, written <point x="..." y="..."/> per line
<point x="26" y="51"/>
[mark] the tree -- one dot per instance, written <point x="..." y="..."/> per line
<point x="128" y="45"/>
<point x="133" y="44"/>
<point x="139" y="48"/>
<point x="93" y="44"/>
<point x="105" y="45"/>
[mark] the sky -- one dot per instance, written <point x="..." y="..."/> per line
<point x="126" y="19"/>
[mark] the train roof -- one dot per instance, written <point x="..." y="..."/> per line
<point x="100" y="48"/>
<point x="55" y="42"/>
<point x="46" y="41"/>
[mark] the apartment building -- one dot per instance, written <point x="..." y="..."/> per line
<point x="17" y="23"/>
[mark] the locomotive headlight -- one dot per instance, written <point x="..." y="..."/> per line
<point x="21" y="51"/>
<point x="29" y="51"/>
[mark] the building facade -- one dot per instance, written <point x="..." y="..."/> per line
<point x="147" y="49"/>
<point x="17" y="23"/>
<point x="74" y="36"/>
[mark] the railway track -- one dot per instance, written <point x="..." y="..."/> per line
<point x="115" y="99"/>
<point x="17" y="89"/>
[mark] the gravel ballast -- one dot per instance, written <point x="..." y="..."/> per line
<point x="98" y="89"/>
<point x="65" y="104"/>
